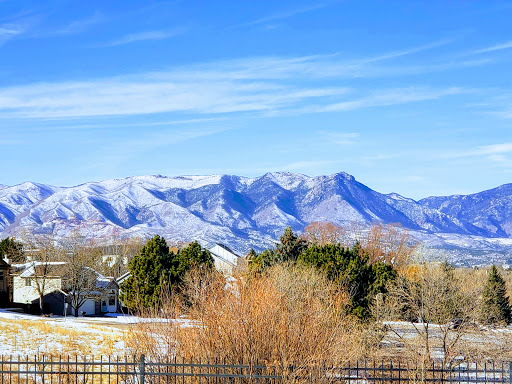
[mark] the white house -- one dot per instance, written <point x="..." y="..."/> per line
<point x="102" y="299"/>
<point x="226" y="261"/>
<point x="111" y="260"/>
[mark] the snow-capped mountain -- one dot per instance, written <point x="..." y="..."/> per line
<point x="243" y="212"/>
<point x="489" y="211"/>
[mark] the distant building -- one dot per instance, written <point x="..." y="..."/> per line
<point x="226" y="261"/>
<point x="111" y="260"/>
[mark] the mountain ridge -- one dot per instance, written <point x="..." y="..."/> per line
<point x="240" y="211"/>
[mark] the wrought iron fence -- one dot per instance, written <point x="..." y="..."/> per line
<point x="131" y="370"/>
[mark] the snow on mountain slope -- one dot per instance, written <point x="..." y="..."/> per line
<point x="243" y="212"/>
<point x="15" y="200"/>
<point x="490" y="212"/>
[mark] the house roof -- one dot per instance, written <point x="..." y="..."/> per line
<point x="123" y="277"/>
<point x="30" y="269"/>
<point x="226" y="248"/>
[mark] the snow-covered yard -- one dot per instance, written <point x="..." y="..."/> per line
<point x="22" y="334"/>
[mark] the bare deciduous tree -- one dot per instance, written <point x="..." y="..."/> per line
<point x="323" y="232"/>
<point x="429" y="297"/>
<point x="44" y="254"/>
<point x="390" y="244"/>
<point x="80" y="278"/>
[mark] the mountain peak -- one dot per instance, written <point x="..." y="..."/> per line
<point x="286" y="180"/>
<point x="239" y="211"/>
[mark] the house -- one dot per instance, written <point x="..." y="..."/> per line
<point x="112" y="260"/>
<point x="226" y="261"/>
<point x="53" y="278"/>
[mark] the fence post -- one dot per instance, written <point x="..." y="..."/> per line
<point x="510" y="372"/>
<point x="142" y="369"/>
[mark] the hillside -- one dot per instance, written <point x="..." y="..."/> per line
<point x="244" y="212"/>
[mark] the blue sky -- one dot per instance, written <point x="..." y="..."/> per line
<point x="409" y="97"/>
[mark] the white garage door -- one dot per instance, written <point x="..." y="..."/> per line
<point x="87" y="307"/>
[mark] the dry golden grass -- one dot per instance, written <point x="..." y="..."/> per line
<point x="52" y="338"/>
<point x="285" y="316"/>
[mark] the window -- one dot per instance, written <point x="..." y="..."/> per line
<point x="112" y="300"/>
<point x="1" y="275"/>
<point x="28" y="282"/>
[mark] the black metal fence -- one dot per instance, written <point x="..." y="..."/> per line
<point x="130" y="370"/>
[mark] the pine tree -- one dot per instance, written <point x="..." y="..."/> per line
<point x="192" y="256"/>
<point x="496" y="306"/>
<point x="262" y="261"/>
<point x="251" y="255"/>
<point x="12" y="249"/>
<point x="155" y="269"/>
<point x="351" y="269"/>
<point x="290" y="246"/>
<point x="149" y="275"/>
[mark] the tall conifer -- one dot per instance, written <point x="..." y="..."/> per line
<point x="496" y="305"/>
<point x="149" y="274"/>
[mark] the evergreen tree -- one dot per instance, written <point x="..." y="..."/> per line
<point x="149" y="274"/>
<point x="382" y="274"/>
<point x="251" y="255"/>
<point x="351" y="269"/>
<point x="264" y="260"/>
<point x="192" y="256"/>
<point x="12" y="249"/>
<point x="290" y="246"/>
<point x="288" y="249"/>
<point x="155" y="269"/>
<point x="496" y="306"/>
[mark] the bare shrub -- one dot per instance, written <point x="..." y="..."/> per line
<point x="387" y="243"/>
<point x="289" y="315"/>
<point x="441" y="307"/>
<point x="390" y="244"/>
<point x="324" y="232"/>
<point x="154" y="335"/>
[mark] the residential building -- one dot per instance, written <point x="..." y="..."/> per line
<point x="52" y="278"/>
<point x="226" y="261"/>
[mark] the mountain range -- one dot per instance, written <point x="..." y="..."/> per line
<point x="252" y="212"/>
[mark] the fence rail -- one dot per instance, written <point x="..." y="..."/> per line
<point x="131" y="370"/>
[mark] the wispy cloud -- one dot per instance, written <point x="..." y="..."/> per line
<point x="14" y="29"/>
<point x="382" y="98"/>
<point x="79" y="26"/>
<point x="493" y="149"/>
<point x="144" y="36"/>
<point x="497" y="47"/>
<point x="288" y="13"/>
<point x="269" y="85"/>
<point x="408" y="51"/>
<point x="52" y="125"/>
<point x="499" y="154"/>
<point x="8" y="30"/>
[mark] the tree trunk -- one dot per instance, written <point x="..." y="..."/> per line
<point x="40" y="304"/>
